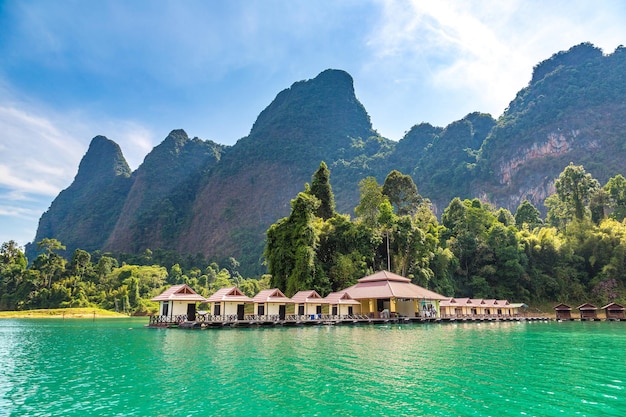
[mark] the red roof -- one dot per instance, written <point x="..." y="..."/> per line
<point x="340" y="298"/>
<point x="232" y="294"/>
<point x="307" y="297"/>
<point x="179" y="293"/>
<point x="385" y="284"/>
<point x="271" y="296"/>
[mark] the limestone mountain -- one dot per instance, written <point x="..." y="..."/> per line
<point x="197" y="197"/>
<point x="573" y="110"/>
<point x="84" y="214"/>
<point x="312" y="121"/>
<point x="164" y="187"/>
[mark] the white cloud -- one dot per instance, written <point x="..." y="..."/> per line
<point x="480" y="53"/>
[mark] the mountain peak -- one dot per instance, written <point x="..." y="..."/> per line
<point x="103" y="160"/>
<point x="322" y="110"/>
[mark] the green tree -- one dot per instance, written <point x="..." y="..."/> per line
<point x="527" y="214"/>
<point x="387" y="220"/>
<point x="402" y="193"/>
<point x="50" y="264"/>
<point x="616" y="189"/>
<point x="81" y="263"/>
<point x="369" y="203"/>
<point x="575" y="187"/>
<point x="291" y="244"/>
<point x="322" y="190"/>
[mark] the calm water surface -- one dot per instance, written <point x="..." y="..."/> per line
<point x="120" y="368"/>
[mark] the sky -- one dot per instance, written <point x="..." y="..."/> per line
<point x="135" y="70"/>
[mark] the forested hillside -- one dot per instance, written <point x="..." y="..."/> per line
<point x="197" y="198"/>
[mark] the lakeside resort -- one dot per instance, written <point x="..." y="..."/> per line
<point x="383" y="297"/>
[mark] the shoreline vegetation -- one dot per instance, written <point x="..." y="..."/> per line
<point x="62" y="313"/>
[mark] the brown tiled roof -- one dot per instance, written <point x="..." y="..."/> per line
<point x="182" y="292"/>
<point x="307" y="297"/>
<point x="384" y="284"/>
<point x="232" y="294"/>
<point x="384" y="276"/>
<point x="587" y="306"/>
<point x="340" y="297"/>
<point x="271" y="296"/>
<point x="457" y="302"/>
<point x="562" y="307"/>
<point x="613" y="306"/>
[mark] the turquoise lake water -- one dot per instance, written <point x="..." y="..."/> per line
<point x="120" y="368"/>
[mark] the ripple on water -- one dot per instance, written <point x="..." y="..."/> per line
<point x="100" y="368"/>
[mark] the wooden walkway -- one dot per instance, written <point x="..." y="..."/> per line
<point x="230" y="321"/>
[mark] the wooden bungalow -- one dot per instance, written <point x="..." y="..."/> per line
<point x="614" y="311"/>
<point x="563" y="312"/>
<point x="308" y="303"/>
<point x="271" y="303"/>
<point x="385" y="293"/>
<point x="341" y="304"/>
<point x="467" y="307"/>
<point x="229" y="302"/>
<point x="456" y="307"/>
<point x="179" y="301"/>
<point x="588" y="311"/>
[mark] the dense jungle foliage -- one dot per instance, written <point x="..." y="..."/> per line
<point x="578" y="253"/>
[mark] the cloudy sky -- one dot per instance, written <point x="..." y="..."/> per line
<point x="134" y="71"/>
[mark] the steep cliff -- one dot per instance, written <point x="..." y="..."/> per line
<point x="573" y="110"/>
<point x="84" y="214"/>
<point x="165" y="184"/>
<point x="312" y="121"/>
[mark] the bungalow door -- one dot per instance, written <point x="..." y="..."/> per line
<point x="191" y="312"/>
<point x="282" y="312"/>
<point x="240" y="311"/>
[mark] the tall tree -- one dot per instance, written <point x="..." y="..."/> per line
<point x="616" y="189"/>
<point x="575" y="187"/>
<point x="290" y="248"/>
<point x="402" y="193"/>
<point x="369" y="203"/>
<point x="321" y="188"/>
<point x="527" y="214"/>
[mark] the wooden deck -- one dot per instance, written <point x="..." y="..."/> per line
<point x="229" y="321"/>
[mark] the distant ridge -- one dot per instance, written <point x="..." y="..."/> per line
<point x="200" y="198"/>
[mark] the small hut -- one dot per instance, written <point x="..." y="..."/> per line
<point x="563" y="312"/>
<point x="178" y="303"/>
<point x="341" y="304"/>
<point x="588" y="311"/>
<point x="229" y="302"/>
<point x="307" y="303"/>
<point x="271" y="303"/>
<point x="614" y="311"/>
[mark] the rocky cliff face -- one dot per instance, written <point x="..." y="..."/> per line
<point x="572" y="111"/>
<point x="84" y="214"/>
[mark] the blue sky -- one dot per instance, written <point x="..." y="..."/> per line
<point x="135" y="70"/>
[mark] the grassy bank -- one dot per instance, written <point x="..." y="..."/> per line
<point x="62" y="313"/>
